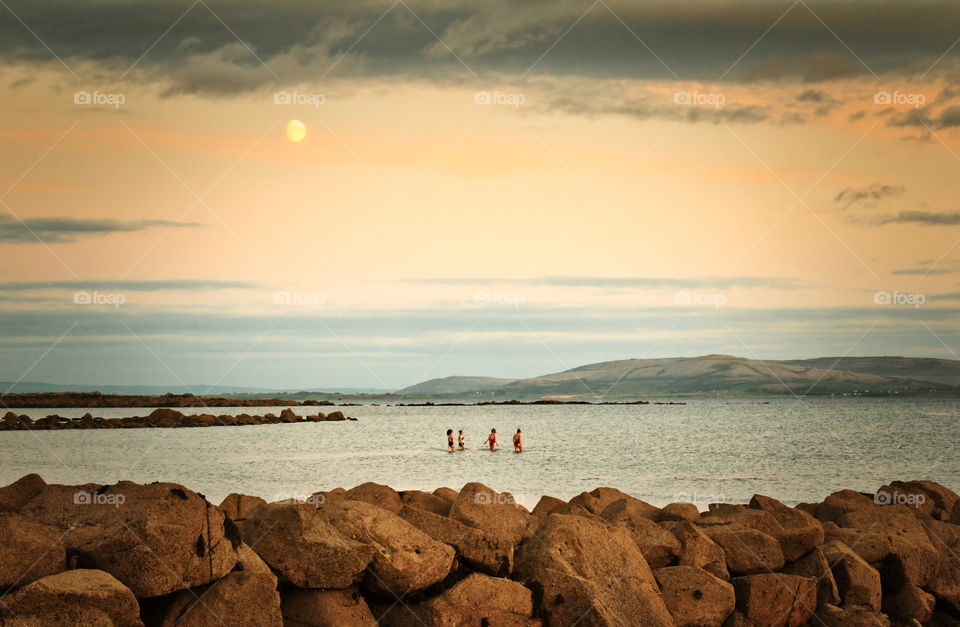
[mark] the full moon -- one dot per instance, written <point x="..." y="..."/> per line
<point x="296" y="130"/>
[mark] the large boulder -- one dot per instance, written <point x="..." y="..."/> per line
<point x="679" y="511"/>
<point x="28" y="551"/>
<point x="893" y="537"/>
<point x="815" y="564"/>
<point x="74" y="597"/>
<point x="447" y="494"/>
<point x="236" y="506"/>
<point x="16" y="495"/>
<point x="858" y="583"/>
<point x="477" y="601"/>
<point x="659" y="546"/>
<point x="426" y="501"/>
<point x="495" y="513"/>
<point x="851" y="616"/>
<point x="249" y="562"/>
<point x="589" y="572"/>
<point x="926" y="499"/>
<point x="697" y="549"/>
<point x="746" y="550"/>
<point x="479" y="550"/>
<point x="302" y="546"/>
<point x="244" y="599"/>
<point x="596" y="500"/>
<point x="842" y="502"/>
<point x="945" y="585"/>
<point x="776" y="599"/>
<point x="545" y="505"/>
<point x="694" y="597"/>
<point x="156" y="538"/>
<point x="376" y="494"/>
<point x="320" y="608"/>
<point x="799" y="531"/>
<point x="404" y="560"/>
<point x="909" y="602"/>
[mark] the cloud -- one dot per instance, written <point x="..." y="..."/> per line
<point x="64" y="230"/>
<point x="299" y="39"/>
<point x="647" y="283"/>
<point x="871" y="196"/>
<point x="923" y="218"/>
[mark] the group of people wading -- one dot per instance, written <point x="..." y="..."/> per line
<point x="491" y="441"/>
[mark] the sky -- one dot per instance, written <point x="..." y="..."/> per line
<point x="505" y="188"/>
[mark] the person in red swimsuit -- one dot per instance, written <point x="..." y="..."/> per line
<point x="517" y="442"/>
<point x="492" y="439"/>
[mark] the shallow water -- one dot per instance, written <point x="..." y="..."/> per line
<point x="704" y="451"/>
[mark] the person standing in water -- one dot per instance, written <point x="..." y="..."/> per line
<point x="517" y="442"/>
<point x="450" y="440"/>
<point x="492" y="439"/>
<point x="460" y="442"/>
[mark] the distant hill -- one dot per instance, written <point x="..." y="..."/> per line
<point x="724" y="375"/>
<point x="456" y="385"/>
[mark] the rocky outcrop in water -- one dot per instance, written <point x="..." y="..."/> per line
<point x="164" y="418"/>
<point x="161" y="554"/>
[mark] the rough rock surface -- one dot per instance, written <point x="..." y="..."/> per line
<point x="74" y="597"/>
<point x="694" y="597"/>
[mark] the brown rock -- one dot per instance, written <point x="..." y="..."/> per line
<point x="301" y="544"/>
<point x="697" y="549"/>
<point x="592" y="572"/>
<point x="495" y="513"/>
<point x="694" y="597"/>
<point x="955" y="513"/>
<point x="680" y="511"/>
<point x="244" y="599"/>
<point x="405" y="559"/>
<point x="851" y="616"/>
<point x="16" y="495"/>
<point x="545" y="505"/>
<point x="156" y="538"/>
<point x="426" y="501"/>
<point x="28" y="551"/>
<point x="747" y="551"/>
<point x="165" y="417"/>
<point x="320" y="608"/>
<point x="659" y="547"/>
<point x="74" y="597"/>
<point x="839" y="503"/>
<point x="598" y="499"/>
<point x="909" y="602"/>
<point x="484" y="552"/>
<point x="376" y="494"/>
<point x="893" y="536"/>
<point x="776" y="599"/>
<point x="857" y="582"/>
<point x="236" y="506"/>
<point x="479" y="600"/>
<point x="945" y="585"/>
<point x="800" y="531"/>
<point x="249" y="562"/>
<point x="814" y="564"/>
<point x="448" y="494"/>
<point x="288" y="415"/>
<point x="926" y="498"/>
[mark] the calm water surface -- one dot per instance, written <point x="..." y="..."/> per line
<point x="704" y="451"/>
